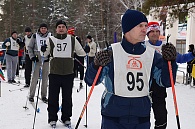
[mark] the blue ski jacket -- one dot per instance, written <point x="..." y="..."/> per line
<point x="118" y="106"/>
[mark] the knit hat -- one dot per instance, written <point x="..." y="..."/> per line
<point x="71" y="30"/>
<point x="89" y="37"/>
<point x="27" y="29"/>
<point x="13" y="32"/>
<point x="132" y="18"/>
<point x="43" y="25"/>
<point x="153" y="26"/>
<point x="60" y="22"/>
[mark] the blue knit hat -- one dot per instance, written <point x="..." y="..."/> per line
<point x="132" y="18"/>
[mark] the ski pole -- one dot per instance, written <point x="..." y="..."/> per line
<point x="80" y="62"/>
<point x="40" y="76"/>
<point x="89" y="95"/>
<point x="174" y="94"/>
<point x="29" y="89"/>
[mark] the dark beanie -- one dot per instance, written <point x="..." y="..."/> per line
<point x="27" y="29"/>
<point x="13" y="32"/>
<point x="132" y="18"/>
<point x="89" y="37"/>
<point x="60" y="22"/>
<point x="43" y="25"/>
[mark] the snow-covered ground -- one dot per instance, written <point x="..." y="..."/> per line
<point x="14" y="116"/>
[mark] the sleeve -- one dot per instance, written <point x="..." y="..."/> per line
<point x="31" y="47"/>
<point x="160" y="71"/>
<point x="4" y="46"/>
<point x="183" y="58"/>
<point x="78" y="49"/>
<point x="91" y="73"/>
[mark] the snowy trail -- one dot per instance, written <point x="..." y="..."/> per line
<point x="14" y="116"/>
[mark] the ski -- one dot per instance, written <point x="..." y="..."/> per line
<point x="68" y="126"/>
<point x="19" y="89"/>
<point x="33" y="105"/>
<point x="53" y="126"/>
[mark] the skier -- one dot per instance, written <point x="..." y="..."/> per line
<point x="34" y="46"/>
<point x="158" y="94"/>
<point x="190" y="65"/>
<point x="12" y="45"/>
<point x="92" y="49"/>
<point x="28" y="61"/>
<point x="61" y="47"/>
<point x="78" y="65"/>
<point x="127" y="69"/>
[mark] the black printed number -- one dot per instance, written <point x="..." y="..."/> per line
<point x="61" y="47"/>
<point x="132" y="82"/>
<point x="42" y="42"/>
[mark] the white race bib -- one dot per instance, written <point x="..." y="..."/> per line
<point x="41" y="40"/>
<point x="14" y="45"/>
<point x="62" y="48"/>
<point x="131" y="72"/>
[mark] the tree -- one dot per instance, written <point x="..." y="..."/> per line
<point x="176" y="9"/>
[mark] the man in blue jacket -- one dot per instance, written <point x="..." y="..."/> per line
<point x="127" y="69"/>
<point x="12" y="45"/>
<point x="158" y="94"/>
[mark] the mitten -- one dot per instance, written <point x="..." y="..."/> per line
<point x="102" y="58"/>
<point x="7" y="44"/>
<point x="35" y="59"/>
<point x="169" y="52"/>
<point x="87" y="49"/>
<point x="44" y="47"/>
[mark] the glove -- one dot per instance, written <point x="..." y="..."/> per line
<point x="7" y="44"/>
<point x="18" y="40"/>
<point x="35" y="58"/>
<point x="43" y="48"/>
<point x="87" y="49"/>
<point x="169" y="52"/>
<point x="102" y="58"/>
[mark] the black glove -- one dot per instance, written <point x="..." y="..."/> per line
<point x="169" y="52"/>
<point x="87" y="49"/>
<point x="102" y="58"/>
<point x="35" y="58"/>
<point x="18" y="40"/>
<point x="44" y="47"/>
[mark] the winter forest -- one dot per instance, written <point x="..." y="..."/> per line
<point x="99" y="18"/>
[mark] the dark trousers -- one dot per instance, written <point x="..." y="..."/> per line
<point x="18" y="65"/>
<point x="55" y="83"/>
<point x="132" y="122"/>
<point x="81" y="67"/>
<point x="28" y="69"/>
<point x="158" y="95"/>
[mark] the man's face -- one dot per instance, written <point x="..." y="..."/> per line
<point x="61" y="29"/>
<point x="43" y="30"/>
<point x="88" y="40"/>
<point x="137" y="34"/>
<point x="14" y="35"/>
<point x="27" y="33"/>
<point x="154" y="35"/>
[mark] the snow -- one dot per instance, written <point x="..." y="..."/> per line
<point x="14" y="116"/>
